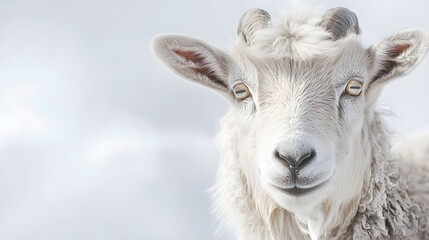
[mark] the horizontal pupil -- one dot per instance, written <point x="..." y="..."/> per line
<point x="240" y="91"/>
<point x="355" y="87"/>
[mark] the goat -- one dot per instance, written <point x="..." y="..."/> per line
<point x="304" y="151"/>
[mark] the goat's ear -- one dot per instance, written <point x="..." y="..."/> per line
<point x="395" y="56"/>
<point x="194" y="60"/>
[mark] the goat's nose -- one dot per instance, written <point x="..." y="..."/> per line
<point x="296" y="160"/>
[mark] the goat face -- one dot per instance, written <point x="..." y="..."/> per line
<point x="301" y="91"/>
<point x="298" y="120"/>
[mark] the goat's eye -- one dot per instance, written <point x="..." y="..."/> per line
<point x="241" y="91"/>
<point x="354" y="87"/>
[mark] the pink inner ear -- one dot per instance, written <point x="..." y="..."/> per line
<point x="198" y="60"/>
<point x="188" y="55"/>
<point x="202" y="67"/>
<point x="398" y="50"/>
<point x="390" y="64"/>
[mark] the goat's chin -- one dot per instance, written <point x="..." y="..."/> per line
<point x="297" y="199"/>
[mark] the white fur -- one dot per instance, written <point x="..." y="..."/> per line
<point x="297" y="77"/>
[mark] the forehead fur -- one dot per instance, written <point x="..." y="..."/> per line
<point x="346" y="58"/>
<point x="297" y="37"/>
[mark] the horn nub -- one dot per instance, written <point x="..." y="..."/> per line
<point x="340" y="22"/>
<point x="251" y="21"/>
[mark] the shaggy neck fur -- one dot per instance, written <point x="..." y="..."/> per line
<point x="380" y="209"/>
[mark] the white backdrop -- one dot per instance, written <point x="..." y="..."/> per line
<point x="99" y="141"/>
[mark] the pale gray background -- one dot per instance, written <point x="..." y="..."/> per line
<point x="99" y="141"/>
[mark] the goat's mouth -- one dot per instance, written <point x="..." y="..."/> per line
<point x="299" y="191"/>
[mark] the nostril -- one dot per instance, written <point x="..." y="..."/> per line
<point x="306" y="158"/>
<point x="297" y="161"/>
<point x="290" y="162"/>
